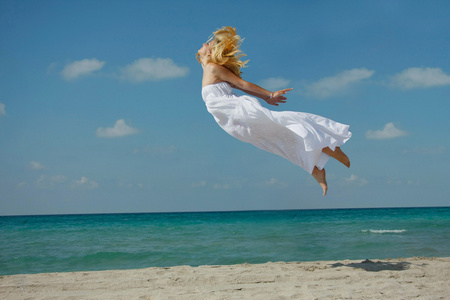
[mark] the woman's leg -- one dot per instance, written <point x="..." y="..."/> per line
<point x="337" y="154"/>
<point x="319" y="175"/>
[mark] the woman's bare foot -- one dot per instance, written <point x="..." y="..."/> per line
<point x="338" y="155"/>
<point x="319" y="175"/>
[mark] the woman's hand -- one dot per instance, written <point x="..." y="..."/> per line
<point x="277" y="97"/>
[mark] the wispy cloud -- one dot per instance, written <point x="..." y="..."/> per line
<point x="22" y="184"/>
<point x="274" y="83"/>
<point x="85" y="183"/>
<point x="52" y="67"/>
<point x="198" y="184"/>
<point x="426" y="150"/>
<point x="420" y="78"/>
<point x="396" y="181"/>
<point x="2" y="109"/>
<point x="221" y="184"/>
<point x="50" y="182"/>
<point x="81" y="68"/>
<point x="230" y="183"/>
<point x="388" y="132"/>
<point x="152" y="69"/>
<point x="120" y="129"/>
<point x="156" y="150"/>
<point x="338" y="84"/>
<point x="129" y="184"/>
<point x="274" y="182"/>
<point x="355" y="181"/>
<point x="35" y="165"/>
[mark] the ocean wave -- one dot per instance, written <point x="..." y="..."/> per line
<point x="384" y="230"/>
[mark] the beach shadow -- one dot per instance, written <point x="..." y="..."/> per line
<point x="372" y="266"/>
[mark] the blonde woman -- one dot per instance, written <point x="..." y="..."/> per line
<point x="305" y="139"/>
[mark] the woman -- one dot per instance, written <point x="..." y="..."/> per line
<point x="306" y="140"/>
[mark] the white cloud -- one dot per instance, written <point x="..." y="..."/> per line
<point x="35" y="165"/>
<point x="2" y="109"/>
<point x="330" y="86"/>
<point x="85" y="183"/>
<point x="120" y="129"/>
<point x="152" y="69"/>
<point x="355" y="180"/>
<point x="274" y="83"/>
<point x="388" y="132"/>
<point x="420" y="78"/>
<point x="81" y="67"/>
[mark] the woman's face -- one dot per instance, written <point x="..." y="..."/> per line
<point x="206" y="48"/>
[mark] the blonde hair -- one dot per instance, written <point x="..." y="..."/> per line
<point x="225" y="51"/>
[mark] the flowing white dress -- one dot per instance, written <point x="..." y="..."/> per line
<point x="299" y="137"/>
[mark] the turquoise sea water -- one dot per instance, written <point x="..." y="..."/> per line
<point x="63" y="243"/>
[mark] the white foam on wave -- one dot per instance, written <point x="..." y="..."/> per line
<point x="384" y="230"/>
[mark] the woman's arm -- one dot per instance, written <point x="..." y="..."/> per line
<point x="272" y="98"/>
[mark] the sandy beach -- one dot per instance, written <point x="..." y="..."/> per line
<point x="422" y="278"/>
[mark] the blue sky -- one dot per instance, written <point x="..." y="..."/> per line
<point x="101" y="108"/>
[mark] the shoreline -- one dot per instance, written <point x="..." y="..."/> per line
<point x="402" y="278"/>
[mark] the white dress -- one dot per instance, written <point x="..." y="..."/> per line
<point x="299" y="137"/>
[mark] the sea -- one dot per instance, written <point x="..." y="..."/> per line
<point x="68" y="243"/>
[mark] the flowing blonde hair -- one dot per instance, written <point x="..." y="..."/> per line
<point x="225" y="51"/>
